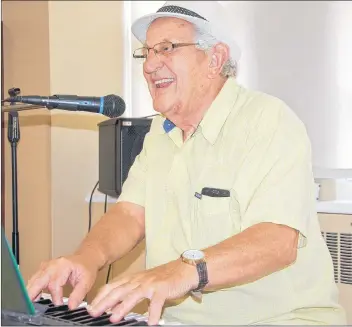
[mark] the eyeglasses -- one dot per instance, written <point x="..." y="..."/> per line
<point x="163" y="48"/>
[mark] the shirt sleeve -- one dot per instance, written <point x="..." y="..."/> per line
<point x="284" y="193"/>
<point x="134" y="187"/>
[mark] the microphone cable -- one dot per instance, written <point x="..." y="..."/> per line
<point x="90" y="207"/>
<point x="110" y="265"/>
<point x="90" y="219"/>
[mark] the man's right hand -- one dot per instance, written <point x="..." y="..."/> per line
<point x="54" y="274"/>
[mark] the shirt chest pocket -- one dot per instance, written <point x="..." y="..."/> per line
<point x="209" y="206"/>
<point x="215" y="219"/>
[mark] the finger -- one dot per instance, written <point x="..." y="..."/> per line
<point x="37" y="283"/>
<point x="55" y="288"/>
<point x="79" y="291"/>
<point x="38" y="297"/>
<point x="102" y="293"/>
<point x="127" y="304"/>
<point x="155" y="308"/>
<point x="116" y="295"/>
<point x="106" y="289"/>
<point x="56" y="284"/>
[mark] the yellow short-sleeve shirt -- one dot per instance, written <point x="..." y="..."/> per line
<point x="252" y="145"/>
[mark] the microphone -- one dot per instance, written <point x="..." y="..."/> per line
<point x="110" y="105"/>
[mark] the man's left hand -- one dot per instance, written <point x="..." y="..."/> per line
<point x="169" y="281"/>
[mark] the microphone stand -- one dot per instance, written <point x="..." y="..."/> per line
<point x="19" y="107"/>
<point x="13" y="135"/>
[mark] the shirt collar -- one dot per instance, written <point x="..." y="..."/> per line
<point x="217" y="113"/>
<point x="219" y="110"/>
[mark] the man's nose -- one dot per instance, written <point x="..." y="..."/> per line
<point x="152" y="62"/>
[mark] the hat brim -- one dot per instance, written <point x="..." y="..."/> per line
<point x="141" y="25"/>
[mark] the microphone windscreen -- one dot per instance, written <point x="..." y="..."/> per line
<point x="114" y="106"/>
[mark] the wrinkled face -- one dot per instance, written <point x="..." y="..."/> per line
<point x="176" y="80"/>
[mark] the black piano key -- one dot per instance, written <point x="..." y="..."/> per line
<point x="90" y="320"/>
<point x="133" y="323"/>
<point x="85" y="316"/>
<point x="139" y="323"/>
<point x="124" y="322"/>
<point x="70" y="313"/>
<point x="58" y="308"/>
<point x="104" y="321"/>
<point x="43" y="301"/>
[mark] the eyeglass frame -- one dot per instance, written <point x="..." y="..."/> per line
<point x="174" y="46"/>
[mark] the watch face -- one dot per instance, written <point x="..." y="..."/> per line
<point x="193" y="254"/>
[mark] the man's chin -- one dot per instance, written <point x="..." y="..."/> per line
<point x="162" y="108"/>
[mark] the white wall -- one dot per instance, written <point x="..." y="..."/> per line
<point x="136" y="91"/>
<point x="300" y="51"/>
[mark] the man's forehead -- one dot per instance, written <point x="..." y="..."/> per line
<point x="168" y="29"/>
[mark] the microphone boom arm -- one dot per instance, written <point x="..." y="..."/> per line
<point x="20" y="107"/>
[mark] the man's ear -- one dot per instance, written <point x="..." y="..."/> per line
<point x="218" y="57"/>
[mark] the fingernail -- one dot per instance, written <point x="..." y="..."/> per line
<point x="91" y="310"/>
<point x="70" y="306"/>
<point x="115" y="318"/>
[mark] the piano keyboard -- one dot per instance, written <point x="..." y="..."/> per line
<point x="81" y="317"/>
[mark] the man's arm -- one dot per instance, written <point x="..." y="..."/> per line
<point x="114" y="235"/>
<point x="117" y="232"/>
<point x="274" y="221"/>
<point x="123" y="226"/>
<point x="254" y="253"/>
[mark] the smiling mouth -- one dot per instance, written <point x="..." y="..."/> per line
<point x="163" y="83"/>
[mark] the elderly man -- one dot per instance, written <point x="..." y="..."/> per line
<point x="222" y="191"/>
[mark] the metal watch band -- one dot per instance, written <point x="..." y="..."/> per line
<point x="203" y="276"/>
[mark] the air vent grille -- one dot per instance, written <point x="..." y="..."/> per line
<point x="332" y="243"/>
<point x="346" y="258"/>
<point x="340" y="247"/>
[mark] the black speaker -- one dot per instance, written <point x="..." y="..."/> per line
<point x="120" y="141"/>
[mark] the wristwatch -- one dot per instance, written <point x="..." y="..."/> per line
<point x="197" y="258"/>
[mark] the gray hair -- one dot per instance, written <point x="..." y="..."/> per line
<point x="205" y="42"/>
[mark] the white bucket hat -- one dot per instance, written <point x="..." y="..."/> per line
<point x="208" y="16"/>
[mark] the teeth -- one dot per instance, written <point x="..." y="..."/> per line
<point x="165" y="80"/>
